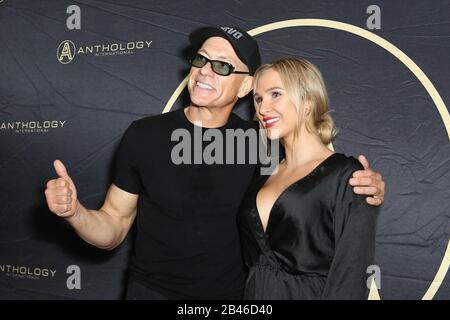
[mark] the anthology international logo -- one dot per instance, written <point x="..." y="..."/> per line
<point x="26" y="272"/>
<point x="32" y="126"/>
<point x="67" y="50"/>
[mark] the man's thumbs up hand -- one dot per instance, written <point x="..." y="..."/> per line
<point x="61" y="193"/>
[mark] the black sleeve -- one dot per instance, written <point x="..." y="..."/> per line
<point x="125" y="170"/>
<point x="354" y="230"/>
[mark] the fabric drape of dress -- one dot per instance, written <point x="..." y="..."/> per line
<point x="319" y="240"/>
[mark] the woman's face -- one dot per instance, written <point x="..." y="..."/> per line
<point x="275" y="111"/>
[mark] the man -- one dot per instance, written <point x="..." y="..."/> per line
<point x="187" y="245"/>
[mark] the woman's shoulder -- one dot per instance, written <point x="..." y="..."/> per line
<point x="344" y="163"/>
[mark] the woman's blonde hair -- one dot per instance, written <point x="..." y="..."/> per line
<point x="304" y="84"/>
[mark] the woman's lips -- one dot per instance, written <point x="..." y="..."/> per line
<point x="269" y="122"/>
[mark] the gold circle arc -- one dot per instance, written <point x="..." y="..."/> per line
<point x="400" y="55"/>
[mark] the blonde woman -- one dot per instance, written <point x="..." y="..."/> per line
<point x="304" y="233"/>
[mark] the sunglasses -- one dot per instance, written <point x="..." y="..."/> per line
<point x="221" y="68"/>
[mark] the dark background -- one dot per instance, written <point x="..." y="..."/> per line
<point x="380" y="107"/>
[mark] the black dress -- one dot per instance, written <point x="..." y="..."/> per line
<point x="319" y="240"/>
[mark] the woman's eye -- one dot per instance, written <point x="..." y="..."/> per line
<point x="257" y="100"/>
<point x="276" y="94"/>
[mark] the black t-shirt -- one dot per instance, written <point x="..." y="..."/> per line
<point x="187" y="243"/>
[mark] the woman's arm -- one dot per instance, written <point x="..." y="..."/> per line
<point x="355" y="227"/>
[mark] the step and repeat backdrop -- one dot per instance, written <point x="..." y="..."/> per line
<point x="75" y="74"/>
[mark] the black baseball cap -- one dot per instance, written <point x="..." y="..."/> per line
<point x="244" y="44"/>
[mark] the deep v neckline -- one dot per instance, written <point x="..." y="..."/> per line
<point x="290" y="186"/>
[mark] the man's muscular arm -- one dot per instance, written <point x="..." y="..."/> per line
<point x="104" y="228"/>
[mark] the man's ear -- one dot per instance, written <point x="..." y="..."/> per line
<point x="246" y="86"/>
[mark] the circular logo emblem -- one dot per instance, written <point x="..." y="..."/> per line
<point x="66" y="52"/>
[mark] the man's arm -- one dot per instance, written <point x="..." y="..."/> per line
<point x="104" y="228"/>
<point x="368" y="182"/>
